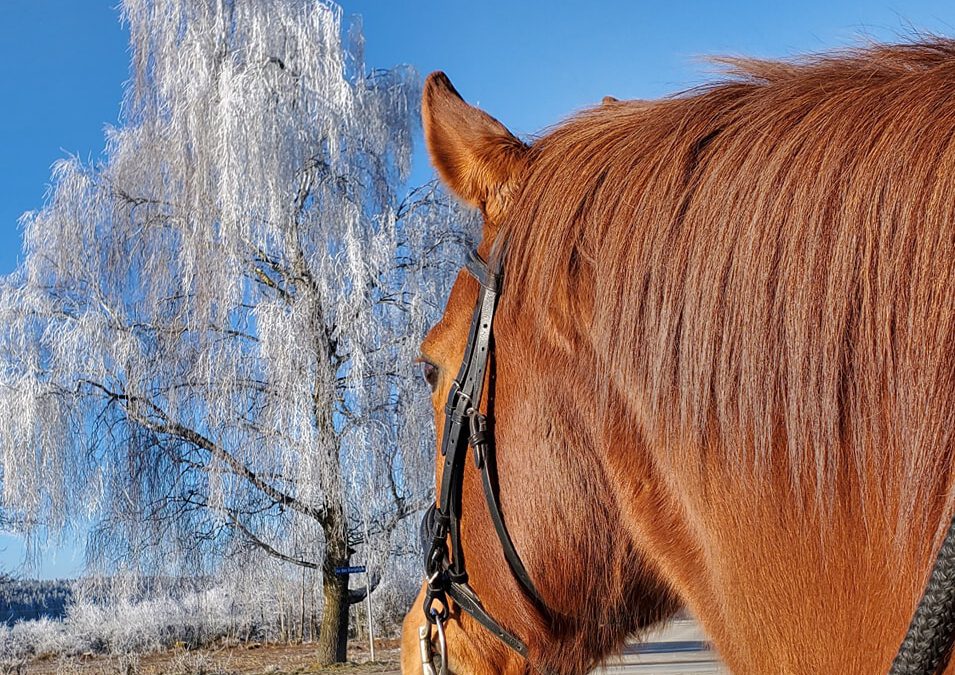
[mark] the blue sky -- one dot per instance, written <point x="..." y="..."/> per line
<point x="63" y="64"/>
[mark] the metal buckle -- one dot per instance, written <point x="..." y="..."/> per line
<point x="454" y="395"/>
<point x="460" y="406"/>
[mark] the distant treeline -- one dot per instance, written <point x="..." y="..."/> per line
<point x="26" y="599"/>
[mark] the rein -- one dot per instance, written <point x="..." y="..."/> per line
<point x="927" y="647"/>
<point x="466" y="426"/>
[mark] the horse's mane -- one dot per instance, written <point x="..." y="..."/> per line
<point x="773" y="259"/>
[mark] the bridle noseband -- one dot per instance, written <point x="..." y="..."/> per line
<point x="465" y="425"/>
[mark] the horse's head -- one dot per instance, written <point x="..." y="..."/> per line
<point x="594" y="587"/>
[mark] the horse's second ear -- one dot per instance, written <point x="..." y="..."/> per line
<point x="475" y="155"/>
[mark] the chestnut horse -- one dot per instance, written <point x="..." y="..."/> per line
<point x="725" y="363"/>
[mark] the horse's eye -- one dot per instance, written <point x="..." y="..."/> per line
<point x="430" y="372"/>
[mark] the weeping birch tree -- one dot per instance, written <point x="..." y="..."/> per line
<point x="209" y="345"/>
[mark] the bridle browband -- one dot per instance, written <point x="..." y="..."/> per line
<point x="465" y="425"/>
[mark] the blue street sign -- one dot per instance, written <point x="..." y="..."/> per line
<point x="342" y="571"/>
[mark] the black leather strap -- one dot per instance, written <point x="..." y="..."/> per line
<point x="465" y="425"/>
<point x="488" y="278"/>
<point x="467" y="600"/>
<point x="510" y="552"/>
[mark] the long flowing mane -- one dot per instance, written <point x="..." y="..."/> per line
<point x="773" y="259"/>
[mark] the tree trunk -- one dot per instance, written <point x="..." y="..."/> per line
<point x="333" y="633"/>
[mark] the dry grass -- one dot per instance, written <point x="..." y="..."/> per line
<point x="251" y="659"/>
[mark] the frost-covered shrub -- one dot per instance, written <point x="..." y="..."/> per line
<point x="123" y="626"/>
<point x="40" y="637"/>
<point x="390" y="602"/>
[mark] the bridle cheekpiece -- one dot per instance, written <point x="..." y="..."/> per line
<point x="466" y="426"/>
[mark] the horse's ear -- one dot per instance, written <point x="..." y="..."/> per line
<point x="475" y="155"/>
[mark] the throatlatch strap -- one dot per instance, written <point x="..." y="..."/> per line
<point x="510" y="552"/>
<point x="468" y="601"/>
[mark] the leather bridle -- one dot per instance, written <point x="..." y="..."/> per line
<point x="465" y="425"/>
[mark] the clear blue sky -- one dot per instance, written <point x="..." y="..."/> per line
<point x="63" y="64"/>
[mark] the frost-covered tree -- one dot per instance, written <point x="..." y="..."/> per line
<point x="208" y="348"/>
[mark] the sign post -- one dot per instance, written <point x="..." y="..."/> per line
<point x="361" y="569"/>
<point x="371" y="626"/>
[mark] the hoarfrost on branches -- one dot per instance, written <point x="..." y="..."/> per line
<point x="209" y="347"/>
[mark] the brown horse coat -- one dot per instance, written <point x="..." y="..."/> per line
<point x="732" y="314"/>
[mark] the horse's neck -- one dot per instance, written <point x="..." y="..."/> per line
<point x="780" y="585"/>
